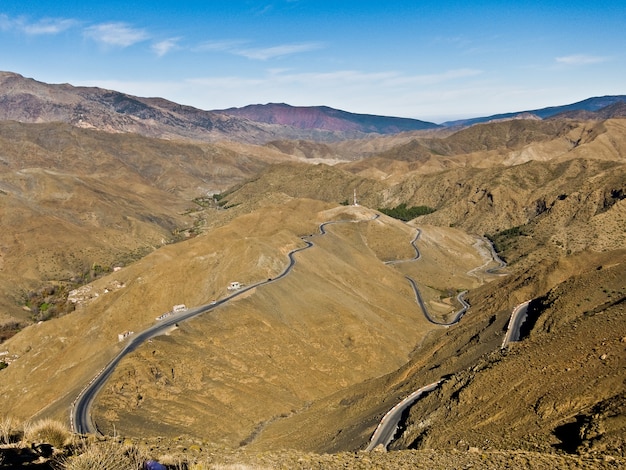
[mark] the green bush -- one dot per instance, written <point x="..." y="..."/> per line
<point x="402" y="212"/>
<point x="505" y="239"/>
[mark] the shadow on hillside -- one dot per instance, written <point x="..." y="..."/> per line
<point x="569" y="435"/>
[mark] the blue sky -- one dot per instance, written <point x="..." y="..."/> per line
<point x="431" y="60"/>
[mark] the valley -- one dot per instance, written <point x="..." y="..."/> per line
<point x="105" y="229"/>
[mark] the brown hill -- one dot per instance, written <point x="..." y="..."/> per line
<point x="561" y="227"/>
<point x="313" y="361"/>
<point x="264" y="355"/>
<point x="110" y="197"/>
<point x="590" y="104"/>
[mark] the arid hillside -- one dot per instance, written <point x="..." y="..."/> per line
<point x="313" y="360"/>
<point x="270" y="353"/>
<point x="77" y="201"/>
<point x="560" y="223"/>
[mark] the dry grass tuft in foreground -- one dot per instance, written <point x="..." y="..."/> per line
<point x="104" y="455"/>
<point x="47" y="431"/>
<point x="8" y="431"/>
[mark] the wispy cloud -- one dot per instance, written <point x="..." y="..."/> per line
<point x="226" y="45"/>
<point x="240" y="47"/>
<point x="163" y="47"/>
<point x="116" y="34"/>
<point x="355" y="77"/>
<point x="391" y="90"/>
<point x="277" y="51"/>
<point x="6" y="23"/>
<point x="45" y="26"/>
<point x="435" y="78"/>
<point x="49" y="26"/>
<point x="580" y="59"/>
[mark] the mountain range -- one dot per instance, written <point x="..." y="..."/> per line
<point x="27" y="100"/>
<point x="114" y="209"/>
<point x="603" y="107"/>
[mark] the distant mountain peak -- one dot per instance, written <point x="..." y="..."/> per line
<point x="591" y="105"/>
<point x="326" y="118"/>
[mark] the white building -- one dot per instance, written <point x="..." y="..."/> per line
<point x="123" y="336"/>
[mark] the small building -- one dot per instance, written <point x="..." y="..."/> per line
<point x="123" y="336"/>
<point x="179" y="308"/>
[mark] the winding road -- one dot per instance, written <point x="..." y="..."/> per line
<point x="81" y="421"/>
<point x="388" y="425"/>
<point x="80" y="415"/>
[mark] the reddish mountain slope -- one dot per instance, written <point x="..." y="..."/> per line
<point x="323" y="117"/>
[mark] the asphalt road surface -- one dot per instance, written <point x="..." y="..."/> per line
<point x="388" y="426"/>
<point x="518" y="317"/>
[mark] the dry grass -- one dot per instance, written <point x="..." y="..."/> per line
<point x="8" y="430"/>
<point x="105" y="455"/>
<point x="47" y="431"/>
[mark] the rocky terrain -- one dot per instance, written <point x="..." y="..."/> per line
<point x="104" y="231"/>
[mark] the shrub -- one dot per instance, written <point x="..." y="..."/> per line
<point x="405" y="213"/>
<point x="47" y="431"/>
<point x="105" y="455"/>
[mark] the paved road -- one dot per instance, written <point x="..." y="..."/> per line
<point x="388" y="426"/>
<point x="420" y="301"/>
<point x="496" y="258"/>
<point x="80" y="414"/>
<point x="417" y="251"/>
<point x="518" y="317"/>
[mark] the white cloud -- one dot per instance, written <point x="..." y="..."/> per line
<point x="49" y="26"/>
<point x="41" y="27"/>
<point x="116" y="34"/>
<point x="276" y="51"/>
<point x="353" y="77"/>
<point x="238" y="47"/>
<point x="580" y="59"/>
<point x="163" y="47"/>
<point x="226" y="45"/>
